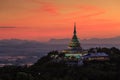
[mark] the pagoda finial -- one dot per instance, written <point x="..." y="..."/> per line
<point x="74" y="27"/>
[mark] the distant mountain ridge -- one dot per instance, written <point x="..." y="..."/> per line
<point x="114" y="40"/>
<point x="17" y="47"/>
<point x="59" y="41"/>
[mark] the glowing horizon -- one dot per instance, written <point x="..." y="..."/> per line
<point x="43" y="20"/>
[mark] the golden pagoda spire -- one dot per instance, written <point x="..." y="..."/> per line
<point x="74" y="28"/>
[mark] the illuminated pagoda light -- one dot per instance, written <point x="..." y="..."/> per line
<point x="74" y="47"/>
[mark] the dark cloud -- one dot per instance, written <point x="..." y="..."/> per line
<point x="7" y="27"/>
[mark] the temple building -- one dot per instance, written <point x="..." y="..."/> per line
<point x="96" y="57"/>
<point x="74" y="47"/>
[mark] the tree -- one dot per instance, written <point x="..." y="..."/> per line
<point x="24" y="76"/>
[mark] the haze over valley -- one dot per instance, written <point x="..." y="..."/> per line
<point x="16" y="51"/>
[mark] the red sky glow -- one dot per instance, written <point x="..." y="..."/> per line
<point x="45" y="19"/>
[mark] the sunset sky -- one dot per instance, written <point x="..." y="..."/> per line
<point x="45" y="19"/>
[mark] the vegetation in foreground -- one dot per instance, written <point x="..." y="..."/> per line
<point x="43" y="69"/>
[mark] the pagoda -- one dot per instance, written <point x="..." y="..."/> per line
<point x="74" y="47"/>
<point x="74" y="44"/>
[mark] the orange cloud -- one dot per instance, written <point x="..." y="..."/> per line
<point x="47" y="7"/>
<point x="50" y="8"/>
<point x="88" y="7"/>
<point x="82" y="12"/>
<point x="91" y="11"/>
<point x="93" y="14"/>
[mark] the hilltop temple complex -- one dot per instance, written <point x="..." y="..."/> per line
<point x="76" y="55"/>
